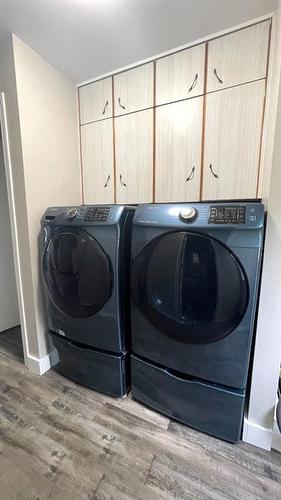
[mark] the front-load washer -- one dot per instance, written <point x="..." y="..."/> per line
<point x="85" y="254"/>
<point x="194" y="283"/>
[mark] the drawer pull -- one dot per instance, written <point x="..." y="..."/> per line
<point x="191" y="175"/>
<point x="105" y="106"/>
<point x="217" y="76"/>
<point x="122" y="182"/>
<point x="120" y="104"/>
<point x="212" y="171"/>
<point x="181" y="377"/>
<point x="194" y="83"/>
<point x="107" y="181"/>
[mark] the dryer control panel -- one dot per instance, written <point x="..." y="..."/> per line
<point x="216" y="216"/>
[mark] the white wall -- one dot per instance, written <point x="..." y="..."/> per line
<point x="49" y="133"/>
<point x="258" y="428"/>
<point x="9" y="311"/>
<point x="16" y="190"/>
<point x="43" y="137"/>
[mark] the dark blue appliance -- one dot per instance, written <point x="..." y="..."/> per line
<point x="194" y="283"/>
<point x="85" y="269"/>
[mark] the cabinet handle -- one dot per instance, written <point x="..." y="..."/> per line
<point x="122" y="182"/>
<point x="194" y="83"/>
<point x="191" y="175"/>
<point x="217" y="76"/>
<point x="107" y="181"/>
<point x="105" y="106"/>
<point x="119" y="102"/>
<point x="212" y="170"/>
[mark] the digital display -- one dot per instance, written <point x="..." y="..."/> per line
<point x="97" y="214"/>
<point x="227" y="215"/>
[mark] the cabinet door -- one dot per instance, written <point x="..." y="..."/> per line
<point x="180" y="75"/>
<point x="97" y="162"/>
<point x="134" y="157"/>
<point x="95" y="101"/>
<point x="133" y="90"/>
<point x="239" y="57"/>
<point x="178" y="150"/>
<point x="232" y="142"/>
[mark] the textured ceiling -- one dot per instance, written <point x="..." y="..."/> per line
<point x="86" y="38"/>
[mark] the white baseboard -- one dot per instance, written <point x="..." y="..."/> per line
<point x="42" y="365"/>
<point x="276" y="437"/>
<point x="257" y="435"/>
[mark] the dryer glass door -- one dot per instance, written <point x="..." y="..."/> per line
<point x="77" y="273"/>
<point x="190" y="287"/>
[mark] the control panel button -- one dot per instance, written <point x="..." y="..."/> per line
<point x="188" y="214"/>
<point x="71" y="213"/>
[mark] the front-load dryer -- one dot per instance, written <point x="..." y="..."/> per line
<point x="85" y="254"/>
<point x="194" y="283"/>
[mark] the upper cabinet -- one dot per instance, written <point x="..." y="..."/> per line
<point x="95" y="101"/>
<point x="185" y="127"/>
<point x="239" y="57"/>
<point x="133" y="90"/>
<point x="232" y="142"/>
<point x="98" y="162"/>
<point x="178" y="151"/>
<point x="180" y="75"/>
<point x="134" y="157"/>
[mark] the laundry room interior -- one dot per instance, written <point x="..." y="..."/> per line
<point x="140" y="249"/>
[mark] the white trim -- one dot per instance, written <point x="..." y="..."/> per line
<point x="177" y="49"/>
<point x="42" y="365"/>
<point x="257" y="435"/>
<point x="12" y="210"/>
<point x="276" y="434"/>
<point x="271" y="105"/>
<point x="276" y="437"/>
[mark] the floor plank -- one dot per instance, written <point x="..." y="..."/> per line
<point x="61" y="441"/>
<point x="11" y="345"/>
<point x="254" y="459"/>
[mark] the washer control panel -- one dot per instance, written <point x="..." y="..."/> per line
<point x="84" y="214"/>
<point x="97" y="214"/>
<point x="227" y="215"/>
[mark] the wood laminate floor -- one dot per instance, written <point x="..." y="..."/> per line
<point x="64" y="442"/>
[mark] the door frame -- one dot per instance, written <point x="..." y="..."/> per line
<point x="13" y="220"/>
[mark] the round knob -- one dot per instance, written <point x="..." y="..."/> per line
<point x="188" y="214"/>
<point x="71" y="213"/>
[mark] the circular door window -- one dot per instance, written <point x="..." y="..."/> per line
<point x="77" y="273"/>
<point x="190" y="287"/>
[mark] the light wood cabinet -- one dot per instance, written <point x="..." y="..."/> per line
<point x="183" y="128"/>
<point x="97" y="162"/>
<point x="239" y="57"/>
<point x="134" y="157"/>
<point x="133" y="90"/>
<point x="178" y="151"/>
<point x="180" y="75"/>
<point x="95" y="101"/>
<point x="232" y="142"/>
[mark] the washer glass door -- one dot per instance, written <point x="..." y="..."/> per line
<point x="77" y="273"/>
<point x="190" y="287"/>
